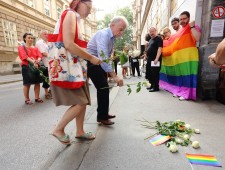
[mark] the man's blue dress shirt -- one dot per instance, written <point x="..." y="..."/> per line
<point x="103" y="40"/>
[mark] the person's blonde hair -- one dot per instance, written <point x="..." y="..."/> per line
<point x="166" y="29"/>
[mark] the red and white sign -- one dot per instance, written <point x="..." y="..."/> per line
<point x="218" y="12"/>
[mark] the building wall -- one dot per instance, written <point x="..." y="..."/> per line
<point x="18" y="17"/>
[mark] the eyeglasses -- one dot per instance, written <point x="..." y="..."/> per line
<point x="88" y="7"/>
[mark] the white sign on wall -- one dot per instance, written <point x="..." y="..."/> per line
<point x="217" y="28"/>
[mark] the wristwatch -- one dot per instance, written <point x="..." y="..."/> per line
<point x="192" y="27"/>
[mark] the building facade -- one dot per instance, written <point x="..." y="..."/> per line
<point x="208" y="14"/>
<point x="20" y="16"/>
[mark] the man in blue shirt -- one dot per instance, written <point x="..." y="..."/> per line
<point x="103" y="42"/>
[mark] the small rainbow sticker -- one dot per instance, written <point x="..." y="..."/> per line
<point x="159" y="139"/>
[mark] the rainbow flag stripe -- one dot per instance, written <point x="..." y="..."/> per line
<point x="179" y="69"/>
<point x="207" y="160"/>
<point x="159" y="139"/>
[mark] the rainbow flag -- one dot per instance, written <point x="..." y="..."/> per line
<point x="159" y="139"/>
<point x="179" y="69"/>
<point x="207" y="160"/>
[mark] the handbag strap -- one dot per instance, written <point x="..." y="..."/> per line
<point x="59" y="37"/>
<point x="25" y="49"/>
<point x="27" y="54"/>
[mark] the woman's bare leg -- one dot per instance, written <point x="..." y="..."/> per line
<point x="80" y="122"/>
<point x="37" y="91"/>
<point x="26" y="89"/>
<point x="73" y="112"/>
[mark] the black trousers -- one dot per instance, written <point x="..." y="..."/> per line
<point x="45" y="85"/>
<point x="115" y="66"/>
<point x="99" y="78"/>
<point x="135" y="65"/>
<point x="152" y="74"/>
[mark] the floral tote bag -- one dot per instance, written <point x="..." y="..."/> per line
<point x="65" y="69"/>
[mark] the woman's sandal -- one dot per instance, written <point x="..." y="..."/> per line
<point x="28" y="102"/>
<point x="39" y="100"/>
<point x="48" y="96"/>
<point x="63" y="139"/>
<point x="86" y="136"/>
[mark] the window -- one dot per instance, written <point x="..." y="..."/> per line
<point x="10" y="34"/>
<point x="59" y="11"/>
<point x="47" y="7"/>
<point x="30" y="3"/>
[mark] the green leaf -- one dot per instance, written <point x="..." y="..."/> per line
<point x="129" y="91"/>
<point x="138" y="90"/>
<point x="102" y="54"/>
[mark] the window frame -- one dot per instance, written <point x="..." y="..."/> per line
<point x="58" y="13"/>
<point x="48" y="5"/>
<point x="10" y="33"/>
<point x="33" y="3"/>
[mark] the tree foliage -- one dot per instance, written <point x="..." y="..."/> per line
<point x="126" y="38"/>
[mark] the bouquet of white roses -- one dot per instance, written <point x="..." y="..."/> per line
<point x="180" y="133"/>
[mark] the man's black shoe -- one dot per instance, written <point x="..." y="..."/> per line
<point x="149" y="88"/>
<point x="105" y="122"/>
<point x="111" y="116"/>
<point x="153" y="90"/>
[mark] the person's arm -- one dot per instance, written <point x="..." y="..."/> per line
<point x="102" y="42"/>
<point x="69" y="28"/>
<point x="195" y="33"/>
<point x="159" y="51"/>
<point x="102" y="45"/>
<point x="220" y="53"/>
<point x="218" y="58"/>
<point x="118" y="80"/>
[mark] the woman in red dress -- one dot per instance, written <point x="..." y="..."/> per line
<point x="30" y="54"/>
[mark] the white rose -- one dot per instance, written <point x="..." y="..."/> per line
<point x="195" y="144"/>
<point x="147" y="84"/>
<point x="130" y="52"/>
<point x="173" y="148"/>
<point x="197" y="131"/>
<point x="179" y="141"/>
<point x="136" y="53"/>
<point x="186" y="137"/>
<point x="188" y="126"/>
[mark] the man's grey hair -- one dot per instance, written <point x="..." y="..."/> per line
<point x="117" y="19"/>
<point x="42" y="31"/>
<point x="153" y="28"/>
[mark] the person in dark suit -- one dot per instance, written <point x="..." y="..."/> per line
<point x="154" y="58"/>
